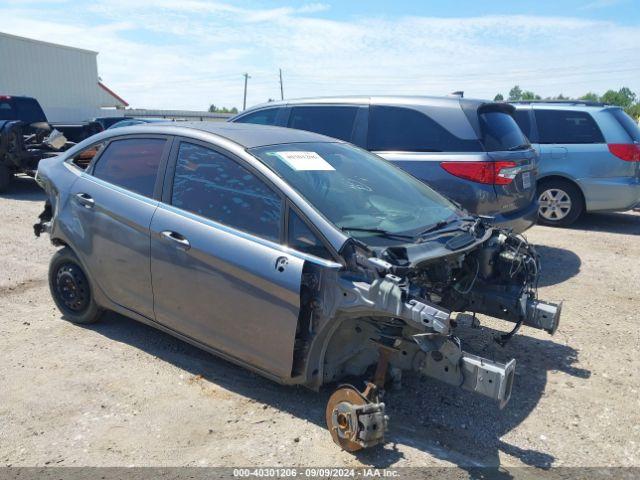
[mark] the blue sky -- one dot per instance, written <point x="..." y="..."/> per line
<point x="190" y="53"/>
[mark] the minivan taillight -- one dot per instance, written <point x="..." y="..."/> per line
<point x="629" y="152"/>
<point x="491" y="173"/>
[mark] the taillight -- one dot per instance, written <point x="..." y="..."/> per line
<point x="492" y="173"/>
<point x="629" y="152"/>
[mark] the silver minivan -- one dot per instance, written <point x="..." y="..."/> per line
<point x="297" y="255"/>
<point x="589" y="158"/>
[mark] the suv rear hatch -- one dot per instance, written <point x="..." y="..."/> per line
<point x="512" y="169"/>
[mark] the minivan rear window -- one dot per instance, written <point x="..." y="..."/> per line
<point x="627" y="123"/>
<point x="398" y="129"/>
<point x="500" y="132"/>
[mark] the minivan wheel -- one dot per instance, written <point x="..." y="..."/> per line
<point x="560" y="203"/>
<point x="71" y="289"/>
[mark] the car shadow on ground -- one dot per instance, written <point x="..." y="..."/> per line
<point x="444" y="421"/>
<point x="557" y="265"/>
<point x="24" y="188"/>
<point x="626" y="223"/>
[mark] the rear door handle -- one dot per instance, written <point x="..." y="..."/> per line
<point x="176" y="238"/>
<point x="85" y="199"/>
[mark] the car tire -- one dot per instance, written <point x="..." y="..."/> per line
<point x="5" y="177"/>
<point x="71" y="288"/>
<point x="560" y="203"/>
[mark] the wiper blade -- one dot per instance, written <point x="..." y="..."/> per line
<point x="435" y="226"/>
<point x="378" y="231"/>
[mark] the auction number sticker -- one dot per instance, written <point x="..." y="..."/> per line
<point x="305" y="161"/>
<point x="526" y="180"/>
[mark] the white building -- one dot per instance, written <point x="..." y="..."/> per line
<point x="63" y="79"/>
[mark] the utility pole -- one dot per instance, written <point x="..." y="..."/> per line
<point x="244" y="102"/>
<point x="281" y="87"/>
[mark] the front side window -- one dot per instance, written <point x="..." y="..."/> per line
<point x="566" y="126"/>
<point x="336" y="122"/>
<point x="302" y="238"/>
<point x="501" y="132"/>
<point x="357" y="191"/>
<point x="261" y="117"/>
<point x="132" y="164"/>
<point x="29" y="110"/>
<point x="216" y="187"/>
<point x="398" y="129"/>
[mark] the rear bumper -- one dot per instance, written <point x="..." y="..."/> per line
<point x="520" y="220"/>
<point x="611" y="194"/>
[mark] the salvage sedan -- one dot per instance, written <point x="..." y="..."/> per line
<point x="299" y="256"/>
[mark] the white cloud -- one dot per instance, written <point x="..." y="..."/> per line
<point x="191" y="53"/>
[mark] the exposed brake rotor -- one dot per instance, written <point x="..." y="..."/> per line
<point x="353" y="421"/>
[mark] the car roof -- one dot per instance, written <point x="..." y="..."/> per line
<point x="576" y="105"/>
<point x="247" y="135"/>
<point x="454" y="100"/>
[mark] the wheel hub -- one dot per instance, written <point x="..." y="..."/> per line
<point x="554" y="204"/>
<point x="354" y="421"/>
<point x="72" y="287"/>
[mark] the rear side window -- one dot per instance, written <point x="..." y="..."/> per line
<point x="334" y="122"/>
<point x="501" y="132"/>
<point x="29" y="110"/>
<point x="627" y="123"/>
<point x="261" y="117"/>
<point x="84" y="158"/>
<point x="132" y="164"/>
<point x="406" y="130"/>
<point x="216" y="187"/>
<point x="6" y="110"/>
<point x="302" y="238"/>
<point x="523" y="119"/>
<point x="566" y="126"/>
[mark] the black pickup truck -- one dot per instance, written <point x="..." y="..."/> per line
<point x="26" y="136"/>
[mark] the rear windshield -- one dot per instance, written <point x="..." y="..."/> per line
<point x="627" y="123"/>
<point x="501" y="132"/>
<point x="7" y="112"/>
<point x="356" y="190"/>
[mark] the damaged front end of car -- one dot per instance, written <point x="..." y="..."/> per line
<point x="392" y="307"/>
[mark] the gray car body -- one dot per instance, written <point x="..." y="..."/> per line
<point x="240" y="296"/>
<point x="607" y="183"/>
<point x="113" y="238"/>
<point x="512" y="206"/>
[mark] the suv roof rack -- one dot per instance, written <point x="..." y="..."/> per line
<point x="563" y="102"/>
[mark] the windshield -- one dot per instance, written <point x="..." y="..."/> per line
<point x="357" y="190"/>
<point x="500" y="132"/>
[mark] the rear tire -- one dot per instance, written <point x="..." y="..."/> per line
<point x="5" y="177"/>
<point x="560" y="203"/>
<point x="71" y="289"/>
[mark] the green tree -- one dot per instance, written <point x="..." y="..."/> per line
<point x="515" y="94"/>
<point x="529" y="95"/>
<point x="590" y="97"/>
<point x="624" y="97"/>
<point x="498" y="98"/>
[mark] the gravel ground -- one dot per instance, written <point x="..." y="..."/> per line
<point x="119" y="393"/>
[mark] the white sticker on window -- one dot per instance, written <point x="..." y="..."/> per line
<point x="305" y="161"/>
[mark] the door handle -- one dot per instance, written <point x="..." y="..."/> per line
<point x="176" y="238"/>
<point x="85" y="199"/>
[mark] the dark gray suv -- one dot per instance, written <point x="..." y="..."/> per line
<point x="471" y="151"/>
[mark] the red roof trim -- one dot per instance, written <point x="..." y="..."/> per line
<point x="113" y="94"/>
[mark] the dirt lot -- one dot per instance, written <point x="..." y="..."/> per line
<point x="119" y="393"/>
